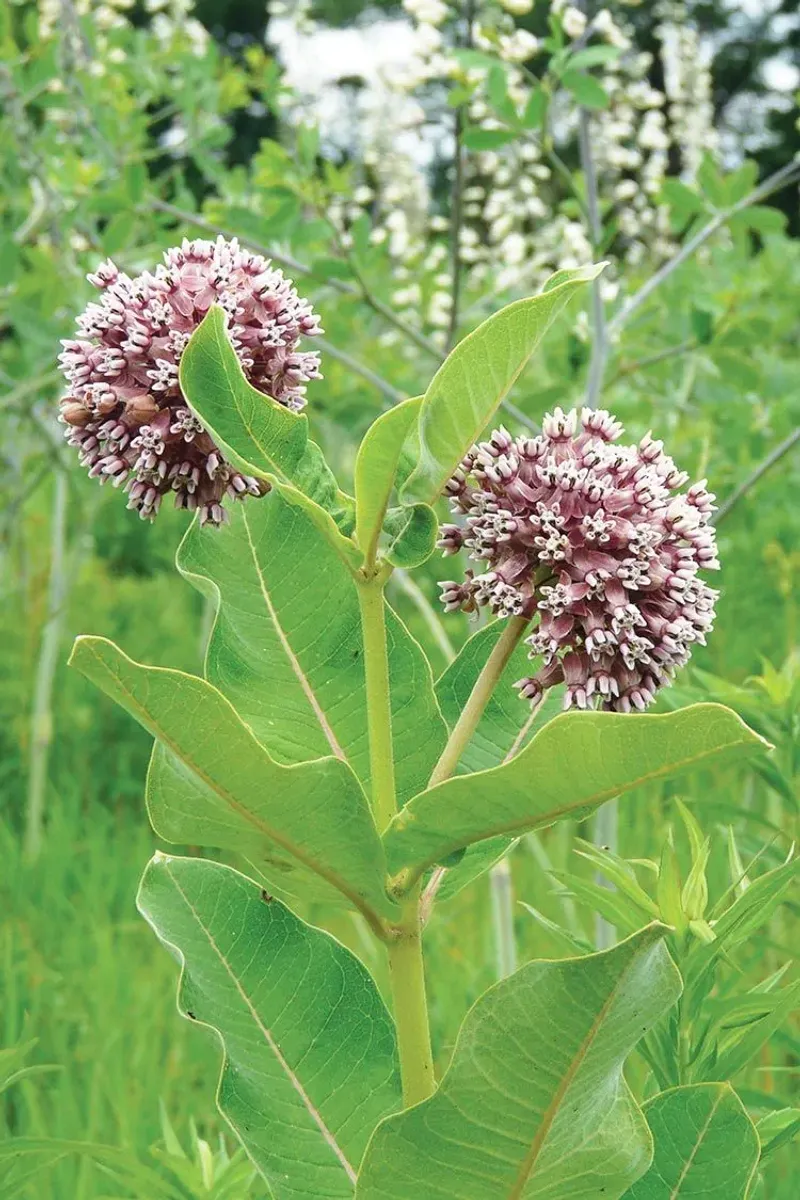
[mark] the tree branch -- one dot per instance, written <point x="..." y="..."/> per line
<point x="752" y="479"/>
<point x="776" y="181"/>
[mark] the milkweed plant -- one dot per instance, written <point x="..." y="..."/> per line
<point x="318" y="753"/>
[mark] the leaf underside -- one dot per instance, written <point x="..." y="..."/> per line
<point x="706" y="1146"/>
<point x="534" y="1104"/>
<point x="310" y="1062"/>
<point x="572" y="766"/>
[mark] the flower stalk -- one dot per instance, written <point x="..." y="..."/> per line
<point x="473" y="710"/>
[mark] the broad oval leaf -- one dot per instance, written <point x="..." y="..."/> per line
<point x="260" y="436"/>
<point x="706" y="1146"/>
<point x="287" y="648"/>
<point x="310" y="1062"/>
<point x="534" y="1103"/>
<point x="241" y="798"/>
<point x="376" y="467"/>
<point x="471" y="383"/>
<point x="572" y="765"/>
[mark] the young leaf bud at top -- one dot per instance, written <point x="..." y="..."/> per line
<point x="124" y="410"/>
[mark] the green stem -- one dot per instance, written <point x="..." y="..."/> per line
<point x="407" y="973"/>
<point x="479" y="697"/>
<point x="404" y="942"/>
<point x="379" y="711"/>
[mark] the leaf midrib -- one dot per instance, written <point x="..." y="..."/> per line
<point x="701" y="1133"/>
<point x="291" y="1075"/>
<point x="552" y="1110"/>
<point x="294" y="662"/>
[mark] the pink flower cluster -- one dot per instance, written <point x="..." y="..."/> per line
<point x="124" y="410"/>
<point x="593" y="539"/>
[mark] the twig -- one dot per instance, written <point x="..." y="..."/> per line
<point x="776" y="181"/>
<point x="392" y="394"/>
<point x="519" y="740"/>
<point x="368" y="296"/>
<point x="600" y="342"/>
<point x="456" y="218"/>
<point x="650" y="360"/>
<point x="362" y="291"/>
<point x="285" y="260"/>
<point x="520" y="416"/>
<point x="752" y="479"/>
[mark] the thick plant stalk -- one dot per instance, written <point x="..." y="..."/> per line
<point x="404" y="942"/>
<point x="41" y="712"/>
<point x="479" y="697"/>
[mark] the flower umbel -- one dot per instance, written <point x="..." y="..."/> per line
<point x="593" y="539"/>
<point x="124" y="410"/>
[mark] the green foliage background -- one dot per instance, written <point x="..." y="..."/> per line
<point x="81" y="977"/>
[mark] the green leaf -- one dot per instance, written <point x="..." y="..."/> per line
<point x="473" y="862"/>
<point x="706" y="1146"/>
<point x="376" y="470"/>
<point x="761" y="218"/>
<point x="534" y="109"/>
<point x="238" y="797"/>
<point x="754" y="907"/>
<point x="487" y="139"/>
<point x="778" y="1128"/>
<point x="742" y="1045"/>
<point x="572" y="765"/>
<point x="415" y="539"/>
<point x="585" y="88"/>
<point x="620" y="873"/>
<point x="593" y="56"/>
<point x="534" y="1103"/>
<point x="119" y="232"/>
<point x="260" y="436"/>
<point x="468" y="388"/>
<point x="683" y="202"/>
<point x="287" y="648"/>
<point x="309" y="1049"/>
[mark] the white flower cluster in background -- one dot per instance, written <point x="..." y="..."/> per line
<point x="687" y="78"/>
<point x="518" y="221"/>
